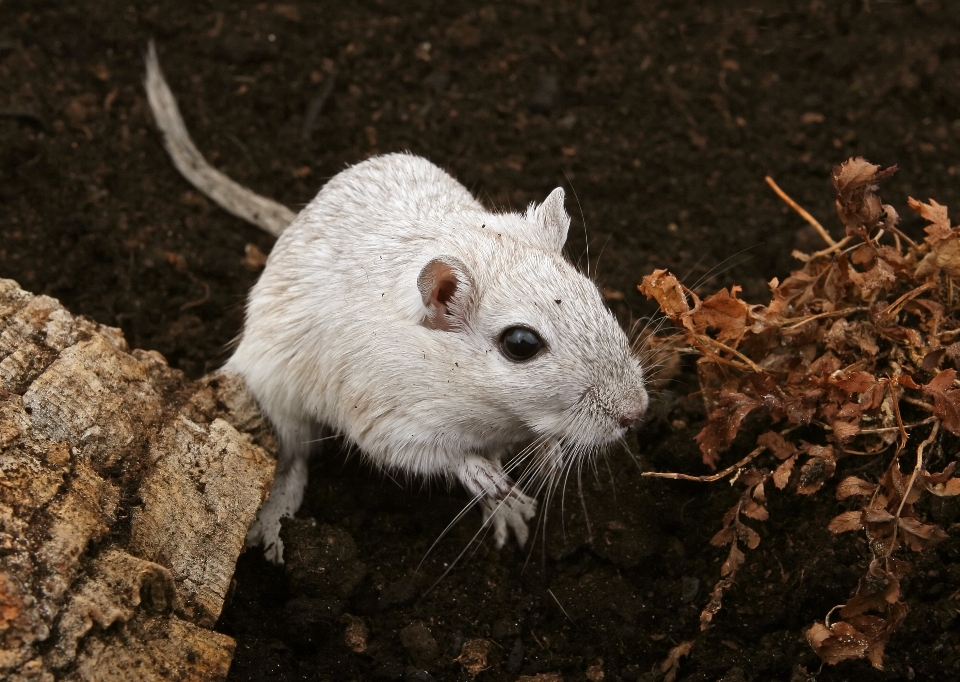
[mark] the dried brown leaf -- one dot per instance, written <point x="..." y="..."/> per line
<point x="847" y="521"/>
<point x="665" y="289"/>
<point x="845" y="431"/>
<point x="876" y="278"/>
<point x="734" y="561"/>
<point x="722" y="425"/>
<point x="950" y="488"/>
<point x="877" y="515"/>
<point x="777" y="444"/>
<point x="919" y="536"/>
<point x="715" y="604"/>
<point x="725" y="313"/>
<point x="748" y="535"/>
<point x="907" y="380"/>
<point x="936" y="215"/>
<point x="942" y="382"/>
<point x="759" y="492"/>
<point x="840" y="642"/>
<point x="782" y="474"/>
<point x="814" y="474"/>
<point x="854" y="382"/>
<point x="946" y="400"/>
<point x="860" y="603"/>
<point x="756" y="511"/>
<point x="724" y="536"/>
<point x="671" y="664"/>
<point x="852" y="485"/>
<point x="940" y="477"/>
<point x="944" y="255"/>
<point x="877" y="630"/>
<point x="858" y="205"/>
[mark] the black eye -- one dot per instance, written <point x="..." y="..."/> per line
<point x="520" y="343"/>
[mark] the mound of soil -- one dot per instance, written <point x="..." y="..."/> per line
<point x="661" y="121"/>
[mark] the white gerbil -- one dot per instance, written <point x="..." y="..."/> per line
<point x="434" y="335"/>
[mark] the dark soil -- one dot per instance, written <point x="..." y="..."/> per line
<point x="661" y="119"/>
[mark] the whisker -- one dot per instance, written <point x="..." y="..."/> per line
<point x="583" y="505"/>
<point x="550" y="592"/>
<point x="318" y="440"/>
<point x="613" y="485"/>
<point x="586" y="238"/>
<point x="707" y="277"/>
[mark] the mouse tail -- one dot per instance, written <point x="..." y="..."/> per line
<point x="229" y="195"/>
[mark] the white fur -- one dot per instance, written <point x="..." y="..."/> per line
<point x="337" y="333"/>
<point x="352" y="325"/>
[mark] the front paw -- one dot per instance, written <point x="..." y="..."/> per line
<point x="512" y="512"/>
<point x="484" y="478"/>
<point x="265" y="532"/>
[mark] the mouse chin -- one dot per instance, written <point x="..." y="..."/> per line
<point x="590" y="439"/>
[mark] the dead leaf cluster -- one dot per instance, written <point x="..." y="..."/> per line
<point x="855" y="355"/>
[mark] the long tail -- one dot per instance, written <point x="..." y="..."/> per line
<point x="238" y="200"/>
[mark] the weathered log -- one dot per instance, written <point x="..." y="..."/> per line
<point x="125" y="495"/>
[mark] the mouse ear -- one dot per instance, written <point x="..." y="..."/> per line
<point x="552" y="219"/>
<point x="446" y="286"/>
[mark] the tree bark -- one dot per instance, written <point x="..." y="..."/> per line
<point x="125" y="496"/>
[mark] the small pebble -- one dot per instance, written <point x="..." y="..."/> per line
<point x="689" y="587"/>
<point x="457" y="644"/>
<point x="515" y="659"/>
<point x="419" y="643"/>
<point x="544" y="97"/>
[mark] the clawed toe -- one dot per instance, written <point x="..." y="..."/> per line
<point x="509" y="514"/>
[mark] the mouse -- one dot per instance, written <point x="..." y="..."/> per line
<point x="441" y="339"/>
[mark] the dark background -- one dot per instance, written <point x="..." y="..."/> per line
<point x="661" y="119"/>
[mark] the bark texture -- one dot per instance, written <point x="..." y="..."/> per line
<point x="125" y="495"/>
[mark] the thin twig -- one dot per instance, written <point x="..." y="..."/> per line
<point x="917" y="403"/>
<point x="802" y="211"/>
<point x="831" y="249"/>
<point x="835" y="313"/>
<point x="896" y="413"/>
<point x="754" y="366"/>
<point x="896" y="230"/>
<point x="706" y="479"/>
<point x="917" y="468"/>
<point x="706" y="350"/>
<point x="886" y="429"/>
<point x="906" y="297"/>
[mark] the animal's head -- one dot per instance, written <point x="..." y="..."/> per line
<point x="547" y="355"/>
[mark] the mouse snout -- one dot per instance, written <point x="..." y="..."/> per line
<point x="633" y="409"/>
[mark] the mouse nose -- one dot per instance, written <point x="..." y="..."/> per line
<point x="634" y="410"/>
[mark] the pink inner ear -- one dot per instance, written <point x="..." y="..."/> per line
<point x="442" y="282"/>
